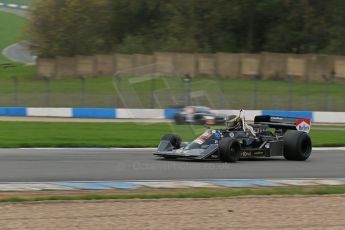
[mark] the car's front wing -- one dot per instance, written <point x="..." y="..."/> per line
<point x="165" y="149"/>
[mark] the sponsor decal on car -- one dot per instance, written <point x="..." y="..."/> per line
<point x="200" y="141"/>
<point x="303" y="125"/>
<point x="245" y="154"/>
<point x="206" y="134"/>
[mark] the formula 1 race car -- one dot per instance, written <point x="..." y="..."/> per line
<point x="239" y="140"/>
<point x="199" y="115"/>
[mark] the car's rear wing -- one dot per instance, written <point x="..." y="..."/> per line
<point x="277" y="122"/>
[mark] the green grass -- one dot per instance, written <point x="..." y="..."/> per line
<point x="23" y="72"/>
<point x="58" y="134"/>
<point x="41" y="134"/>
<point x="328" y="138"/>
<point x="194" y="194"/>
<point x="10" y="29"/>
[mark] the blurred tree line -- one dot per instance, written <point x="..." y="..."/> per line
<point x="71" y="27"/>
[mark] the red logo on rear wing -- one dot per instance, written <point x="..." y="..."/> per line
<point x="303" y="125"/>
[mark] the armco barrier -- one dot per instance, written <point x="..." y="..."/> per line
<point x="93" y="113"/>
<point x="20" y="112"/>
<point x="140" y="113"/>
<point x="329" y="117"/>
<point x="113" y="113"/>
<point x="170" y="113"/>
<point x="49" y="112"/>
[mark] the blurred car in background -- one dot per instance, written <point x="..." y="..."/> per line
<point x="200" y="115"/>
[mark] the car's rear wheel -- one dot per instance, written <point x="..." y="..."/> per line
<point x="297" y="145"/>
<point x="174" y="140"/>
<point x="229" y="150"/>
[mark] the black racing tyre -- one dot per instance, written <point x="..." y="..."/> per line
<point x="297" y="145"/>
<point x="175" y="140"/>
<point x="229" y="150"/>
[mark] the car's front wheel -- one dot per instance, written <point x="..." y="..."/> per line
<point x="174" y="140"/>
<point x="229" y="150"/>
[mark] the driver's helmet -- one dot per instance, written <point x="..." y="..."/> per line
<point x="233" y="122"/>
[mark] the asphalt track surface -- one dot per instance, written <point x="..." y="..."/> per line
<point x="46" y="165"/>
<point x="20" y="52"/>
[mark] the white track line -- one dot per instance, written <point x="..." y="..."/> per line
<point x="329" y="148"/>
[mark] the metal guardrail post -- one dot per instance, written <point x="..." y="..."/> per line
<point x="118" y="81"/>
<point x="255" y="91"/>
<point x="14" y="79"/>
<point x="222" y="91"/>
<point x="326" y="90"/>
<point x="290" y="91"/>
<point x="15" y="90"/>
<point x="153" y="89"/>
<point x="47" y="91"/>
<point x="82" y="90"/>
<point x="188" y="89"/>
